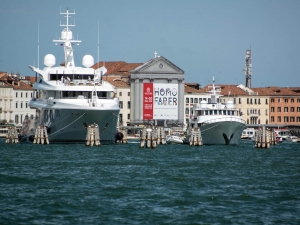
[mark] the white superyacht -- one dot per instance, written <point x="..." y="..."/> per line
<point x="68" y="98"/>
<point x="220" y="124"/>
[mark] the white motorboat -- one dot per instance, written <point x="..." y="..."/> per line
<point x="282" y="134"/>
<point x="248" y="134"/>
<point x="293" y="139"/>
<point x="219" y="123"/>
<point x="68" y="98"/>
<point x="174" y="139"/>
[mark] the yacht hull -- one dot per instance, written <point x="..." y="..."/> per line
<point x="221" y="133"/>
<point x="69" y="125"/>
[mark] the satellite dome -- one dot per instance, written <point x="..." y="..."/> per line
<point x="229" y="105"/>
<point x="49" y="60"/>
<point x="87" y="61"/>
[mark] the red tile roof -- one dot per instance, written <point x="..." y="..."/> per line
<point x="117" y="67"/>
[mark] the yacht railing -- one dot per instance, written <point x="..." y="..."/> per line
<point x="236" y="119"/>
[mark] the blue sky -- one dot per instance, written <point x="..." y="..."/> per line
<point x="205" y="38"/>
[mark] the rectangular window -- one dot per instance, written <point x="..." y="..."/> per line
<point x="234" y="101"/>
<point x="286" y="119"/>
<point x="120" y="93"/>
<point x="272" y="118"/>
<point x="251" y="101"/>
<point x="292" y="109"/>
<point x="26" y="94"/>
<point x="272" y="100"/>
<point x="128" y="105"/>
<point x="278" y="99"/>
<point x="21" y="94"/>
<point x="120" y="117"/>
<point x="286" y="100"/>
<point x="128" y="93"/>
<point x="278" y="119"/>
<point x="272" y="109"/>
<point x="21" y="105"/>
<point x="292" y="119"/>
<point x="255" y="101"/>
<point x="121" y="104"/>
<point x="292" y="100"/>
<point x="298" y="119"/>
<point x="278" y="109"/>
<point x="266" y="112"/>
<point x="128" y="116"/>
<point x="267" y="101"/>
<point x="26" y="105"/>
<point x="298" y="109"/>
<point x="298" y="100"/>
<point x="286" y="109"/>
<point x="16" y="94"/>
<point x="16" y="105"/>
<point x="31" y="95"/>
<point x="259" y="101"/>
<point x="247" y="100"/>
<point x="240" y="101"/>
<point x="187" y="100"/>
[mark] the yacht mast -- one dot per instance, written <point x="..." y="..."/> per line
<point x="67" y="40"/>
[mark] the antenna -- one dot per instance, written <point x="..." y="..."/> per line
<point x="38" y="59"/>
<point x="98" y="44"/>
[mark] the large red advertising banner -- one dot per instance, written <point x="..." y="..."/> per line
<point x="148" y="101"/>
<point x="160" y="101"/>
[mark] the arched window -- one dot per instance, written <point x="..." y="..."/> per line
<point x="186" y="110"/>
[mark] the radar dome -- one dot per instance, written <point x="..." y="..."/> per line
<point x="66" y="35"/>
<point x="87" y="61"/>
<point x="229" y="105"/>
<point x="49" y="60"/>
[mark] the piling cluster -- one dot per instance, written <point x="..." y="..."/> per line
<point x="264" y="138"/>
<point x="195" y="137"/>
<point x="12" y="136"/>
<point x="41" y="136"/>
<point x="152" y="136"/>
<point x="92" y="135"/>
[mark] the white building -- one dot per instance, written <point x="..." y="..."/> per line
<point x="14" y="98"/>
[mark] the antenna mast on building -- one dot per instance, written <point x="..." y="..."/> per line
<point x="248" y="68"/>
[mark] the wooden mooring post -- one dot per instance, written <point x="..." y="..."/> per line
<point x="152" y="136"/>
<point x="92" y="135"/>
<point x="195" y="137"/>
<point x="41" y="136"/>
<point x="12" y="136"/>
<point x="264" y="138"/>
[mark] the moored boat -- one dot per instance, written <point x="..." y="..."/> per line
<point x="68" y="98"/>
<point x="220" y="124"/>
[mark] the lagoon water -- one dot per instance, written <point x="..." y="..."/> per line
<point x="172" y="184"/>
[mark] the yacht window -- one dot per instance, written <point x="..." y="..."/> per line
<point x="206" y="112"/>
<point x="220" y="112"/>
<point x="210" y="112"/>
<point x="224" y="112"/>
<point x="215" y="112"/>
